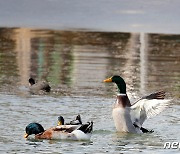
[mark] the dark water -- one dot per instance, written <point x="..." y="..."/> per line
<point x="75" y="64"/>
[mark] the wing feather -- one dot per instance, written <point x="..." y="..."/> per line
<point x="155" y="95"/>
<point x="146" y="108"/>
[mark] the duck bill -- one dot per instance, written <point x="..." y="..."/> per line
<point x="108" y="80"/>
<point x="26" y="135"/>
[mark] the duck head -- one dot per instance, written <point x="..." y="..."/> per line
<point x="60" y="121"/>
<point x="31" y="81"/>
<point x="33" y="128"/>
<point x="119" y="82"/>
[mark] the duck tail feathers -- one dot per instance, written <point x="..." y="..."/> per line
<point x="86" y="128"/>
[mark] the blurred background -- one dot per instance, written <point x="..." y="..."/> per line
<point x="77" y="62"/>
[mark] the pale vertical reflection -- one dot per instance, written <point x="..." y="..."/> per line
<point x="131" y="53"/>
<point x="143" y="61"/>
<point x="90" y="66"/>
<point x="23" y="49"/>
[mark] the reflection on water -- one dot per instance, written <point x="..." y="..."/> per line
<point x="75" y="64"/>
<point x="72" y="60"/>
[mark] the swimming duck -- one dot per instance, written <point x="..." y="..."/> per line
<point x="60" y="121"/>
<point x="40" y="86"/>
<point x="71" y="132"/>
<point x="130" y="117"/>
<point x="77" y="121"/>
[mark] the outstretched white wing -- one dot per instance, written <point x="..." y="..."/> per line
<point x="146" y="108"/>
<point x="155" y="95"/>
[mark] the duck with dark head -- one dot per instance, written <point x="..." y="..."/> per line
<point x="76" y="121"/>
<point x="70" y="132"/>
<point x="42" y="86"/>
<point x="128" y="117"/>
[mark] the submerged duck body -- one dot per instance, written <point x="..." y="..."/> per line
<point x="130" y="118"/>
<point x="70" y="132"/>
<point x="76" y="121"/>
<point x="37" y="87"/>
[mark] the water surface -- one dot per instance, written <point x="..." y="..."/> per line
<point x="75" y="63"/>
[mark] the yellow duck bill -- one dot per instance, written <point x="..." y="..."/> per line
<point x="108" y="80"/>
<point x="26" y="135"/>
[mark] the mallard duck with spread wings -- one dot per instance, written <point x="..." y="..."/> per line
<point x="130" y="117"/>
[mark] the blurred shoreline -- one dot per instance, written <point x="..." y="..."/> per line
<point x="155" y="16"/>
